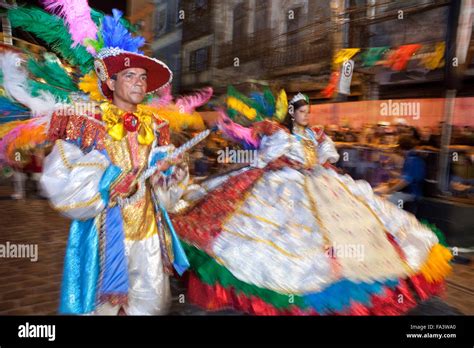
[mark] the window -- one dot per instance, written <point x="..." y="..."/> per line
<point x="160" y="20"/>
<point x="293" y="23"/>
<point x="179" y="7"/>
<point x="199" y="60"/>
<point x="262" y="8"/>
<point x="200" y="4"/>
<point x="239" y="22"/>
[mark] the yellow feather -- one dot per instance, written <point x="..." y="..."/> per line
<point x="242" y="108"/>
<point x="281" y="106"/>
<point x="90" y="84"/>
<point x="178" y="120"/>
<point x="436" y="266"/>
<point x="7" y="127"/>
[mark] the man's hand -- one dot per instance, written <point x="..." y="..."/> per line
<point x="163" y="165"/>
<point x="166" y="163"/>
<point x="176" y="160"/>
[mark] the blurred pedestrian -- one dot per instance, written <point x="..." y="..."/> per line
<point x="409" y="187"/>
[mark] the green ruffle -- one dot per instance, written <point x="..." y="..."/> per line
<point x="211" y="272"/>
<point x="437" y="232"/>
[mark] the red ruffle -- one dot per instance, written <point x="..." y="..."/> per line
<point x="203" y="222"/>
<point x="266" y="127"/>
<point x="216" y="297"/>
<point x="396" y="301"/>
<point x="76" y="128"/>
<point x="424" y="289"/>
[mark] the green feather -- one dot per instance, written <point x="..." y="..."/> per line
<point x="231" y="113"/>
<point x="52" y="73"/>
<point x="96" y="44"/>
<point x="270" y="99"/>
<point x="54" y="32"/>
<point x="36" y="88"/>
<point x="232" y="92"/>
<point x="437" y="232"/>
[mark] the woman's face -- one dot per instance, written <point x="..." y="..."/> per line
<point x="301" y="115"/>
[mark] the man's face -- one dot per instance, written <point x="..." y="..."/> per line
<point x="130" y="85"/>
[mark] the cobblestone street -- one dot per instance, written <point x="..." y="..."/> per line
<point x="32" y="288"/>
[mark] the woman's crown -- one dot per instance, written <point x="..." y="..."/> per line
<point x="298" y="97"/>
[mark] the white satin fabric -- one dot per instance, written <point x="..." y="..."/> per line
<point x="280" y="235"/>
<point x="70" y="180"/>
<point x="149" y="288"/>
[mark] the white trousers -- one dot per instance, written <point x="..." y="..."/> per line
<point x="149" y="287"/>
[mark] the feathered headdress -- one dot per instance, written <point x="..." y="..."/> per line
<point x="90" y="40"/>
<point x="98" y="46"/>
<point x="260" y="106"/>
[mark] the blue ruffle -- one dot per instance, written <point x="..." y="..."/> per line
<point x="338" y="296"/>
<point x="181" y="262"/>
<point x="115" y="266"/>
<point x="81" y="268"/>
<point x="82" y="260"/>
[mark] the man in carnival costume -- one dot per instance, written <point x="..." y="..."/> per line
<point x="122" y="246"/>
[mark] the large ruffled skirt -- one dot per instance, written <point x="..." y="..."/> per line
<point x="280" y="240"/>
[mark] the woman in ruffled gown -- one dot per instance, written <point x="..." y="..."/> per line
<point x="288" y="234"/>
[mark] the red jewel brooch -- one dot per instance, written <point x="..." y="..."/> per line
<point x="130" y="122"/>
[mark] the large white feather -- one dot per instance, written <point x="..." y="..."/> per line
<point x="15" y="82"/>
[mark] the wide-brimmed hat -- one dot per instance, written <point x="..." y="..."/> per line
<point x="110" y="61"/>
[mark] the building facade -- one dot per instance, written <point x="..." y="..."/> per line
<point x="290" y="44"/>
<point x="166" y="46"/>
<point x="282" y="43"/>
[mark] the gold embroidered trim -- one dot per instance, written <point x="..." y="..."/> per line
<point x="79" y="205"/>
<point x="70" y="165"/>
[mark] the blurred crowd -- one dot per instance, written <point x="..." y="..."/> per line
<point x="383" y="133"/>
<point x="376" y="153"/>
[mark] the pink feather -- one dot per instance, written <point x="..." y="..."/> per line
<point x="190" y="102"/>
<point x="235" y="131"/>
<point x="77" y="15"/>
<point x="165" y="98"/>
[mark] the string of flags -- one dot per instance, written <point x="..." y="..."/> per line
<point x="396" y="59"/>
